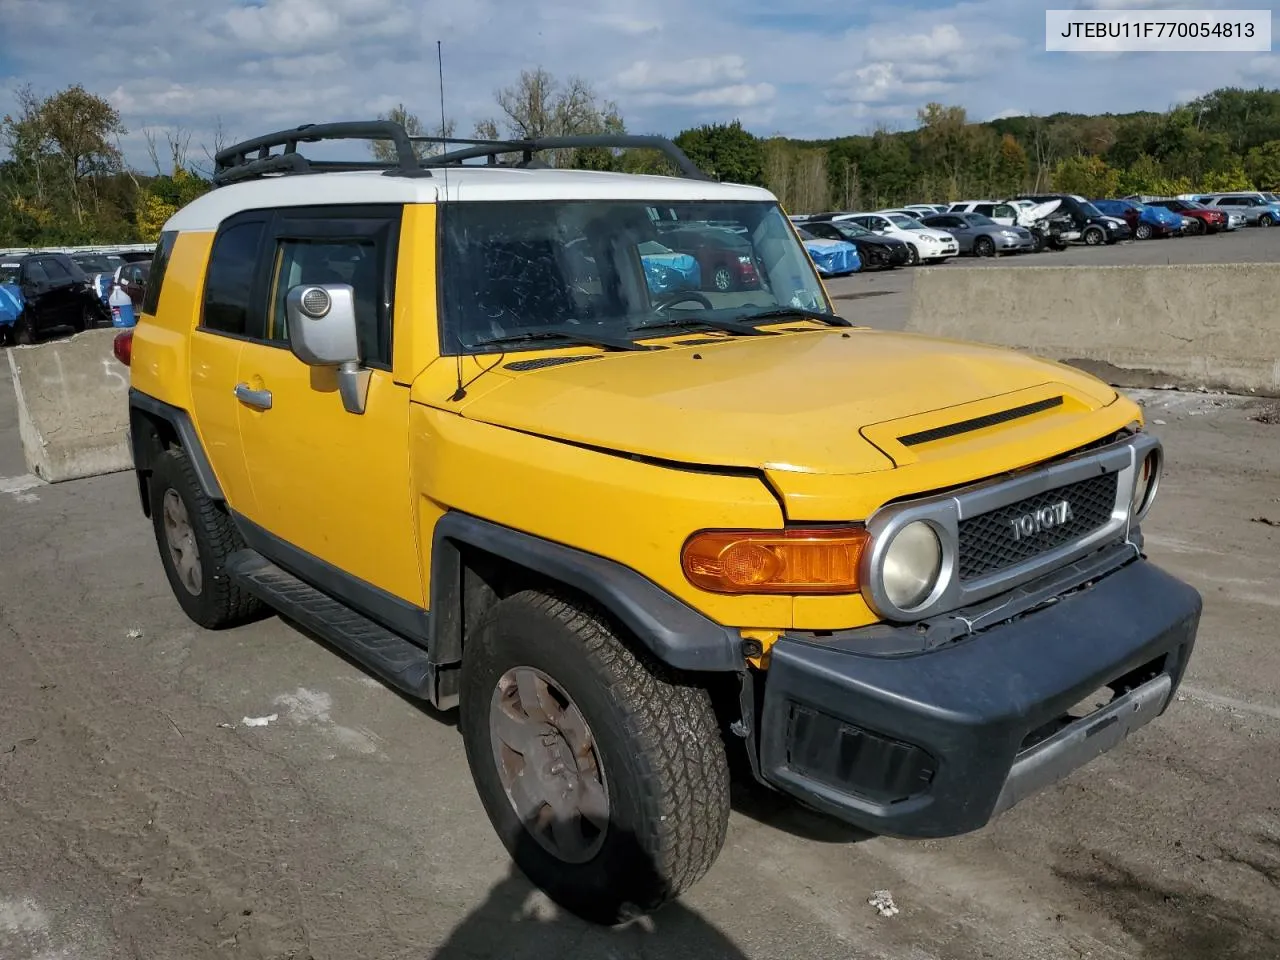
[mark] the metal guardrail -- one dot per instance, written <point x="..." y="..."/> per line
<point x="102" y="248"/>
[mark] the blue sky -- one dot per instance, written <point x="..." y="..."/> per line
<point x="813" y="69"/>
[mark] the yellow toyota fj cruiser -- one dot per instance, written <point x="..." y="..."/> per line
<point x="592" y="457"/>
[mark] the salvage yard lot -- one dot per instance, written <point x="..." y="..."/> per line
<point x="881" y="299"/>
<point x="141" y="817"/>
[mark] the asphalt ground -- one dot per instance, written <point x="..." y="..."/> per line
<point x="141" y="817"/>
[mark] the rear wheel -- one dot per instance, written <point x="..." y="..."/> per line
<point x="604" y="773"/>
<point x="722" y="279"/>
<point x="195" y="536"/>
<point x="1142" y="231"/>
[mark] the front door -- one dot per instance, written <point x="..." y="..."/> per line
<point x="331" y="488"/>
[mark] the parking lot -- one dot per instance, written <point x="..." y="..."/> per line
<point x="141" y="816"/>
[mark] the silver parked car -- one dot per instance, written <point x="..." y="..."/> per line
<point x="1258" y="209"/>
<point x="981" y="236"/>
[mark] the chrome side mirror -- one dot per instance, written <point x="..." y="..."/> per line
<point x="322" y="333"/>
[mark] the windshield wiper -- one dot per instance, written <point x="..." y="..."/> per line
<point x="565" y="334"/>
<point x="714" y="323"/>
<point x="830" y="319"/>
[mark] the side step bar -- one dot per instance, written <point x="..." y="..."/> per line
<point x="401" y="663"/>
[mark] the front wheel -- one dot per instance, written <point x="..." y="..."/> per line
<point x="604" y="774"/>
<point x="1094" y="236"/>
<point x="983" y="247"/>
<point x="1143" y="231"/>
<point x="913" y="255"/>
<point x="1266" y="220"/>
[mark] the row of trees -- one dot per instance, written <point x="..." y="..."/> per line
<point x="65" y="180"/>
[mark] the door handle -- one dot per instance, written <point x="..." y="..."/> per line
<point x="254" y="398"/>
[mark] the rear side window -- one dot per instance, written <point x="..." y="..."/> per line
<point x="35" y="272"/>
<point x="159" y="261"/>
<point x="228" y="288"/>
<point x="55" y="270"/>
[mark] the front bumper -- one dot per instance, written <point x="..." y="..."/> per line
<point x="937" y="743"/>
<point x="939" y="250"/>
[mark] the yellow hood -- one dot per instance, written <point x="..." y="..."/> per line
<point x="799" y="403"/>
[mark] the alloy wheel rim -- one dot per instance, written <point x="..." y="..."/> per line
<point x="181" y="539"/>
<point x="723" y="280"/>
<point x="549" y="764"/>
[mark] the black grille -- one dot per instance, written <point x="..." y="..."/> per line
<point x="988" y="543"/>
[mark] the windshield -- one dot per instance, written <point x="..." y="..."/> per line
<point x="99" y="264"/>
<point x="1271" y="198"/>
<point x="1088" y="209"/>
<point x="9" y="272"/>
<point x="980" y="220"/>
<point x="589" y="269"/>
<point x="850" y="229"/>
<point x="905" y="222"/>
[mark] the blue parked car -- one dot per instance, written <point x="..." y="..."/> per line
<point x="833" y="258"/>
<point x="666" y="271"/>
<point x="1144" y="220"/>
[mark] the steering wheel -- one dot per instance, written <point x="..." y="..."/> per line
<point x="671" y="299"/>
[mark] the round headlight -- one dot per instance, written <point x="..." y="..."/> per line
<point x="912" y="563"/>
<point x="1145" y="484"/>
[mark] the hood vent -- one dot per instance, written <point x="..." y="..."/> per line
<point x="979" y="423"/>
<point x="540" y="362"/>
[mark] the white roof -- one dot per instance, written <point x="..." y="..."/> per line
<point x="470" y="183"/>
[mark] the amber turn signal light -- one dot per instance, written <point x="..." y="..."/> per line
<point x="823" y="560"/>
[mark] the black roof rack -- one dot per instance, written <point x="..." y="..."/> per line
<point x="251" y="159"/>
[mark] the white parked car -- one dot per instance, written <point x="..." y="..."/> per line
<point x="924" y="242"/>
<point x="1004" y="213"/>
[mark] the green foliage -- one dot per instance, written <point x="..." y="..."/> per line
<point x="1088" y="176"/>
<point x="725" y="151"/>
<point x="1262" y="164"/>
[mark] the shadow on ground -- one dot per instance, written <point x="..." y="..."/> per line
<point x="516" y="922"/>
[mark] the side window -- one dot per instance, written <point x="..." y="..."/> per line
<point x="34" y="272"/>
<point x="159" y="261"/>
<point x="1004" y="210"/>
<point x="55" y="271"/>
<point x="229" y="284"/>
<point x="987" y="209"/>
<point x="353" y="262"/>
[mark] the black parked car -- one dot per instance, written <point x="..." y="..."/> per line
<point x="1095" y="227"/>
<point x="876" y="252"/>
<point x="56" y="292"/>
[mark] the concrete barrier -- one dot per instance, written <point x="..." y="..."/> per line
<point x="1192" y="325"/>
<point x="73" y="407"/>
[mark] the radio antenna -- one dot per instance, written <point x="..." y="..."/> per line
<point x="462" y="390"/>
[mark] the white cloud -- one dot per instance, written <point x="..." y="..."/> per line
<point x="734" y="95"/>
<point x="825" y="70"/>
<point x="682" y="74"/>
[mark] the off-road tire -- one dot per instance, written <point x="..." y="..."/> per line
<point x="220" y="603"/>
<point x="657" y="739"/>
